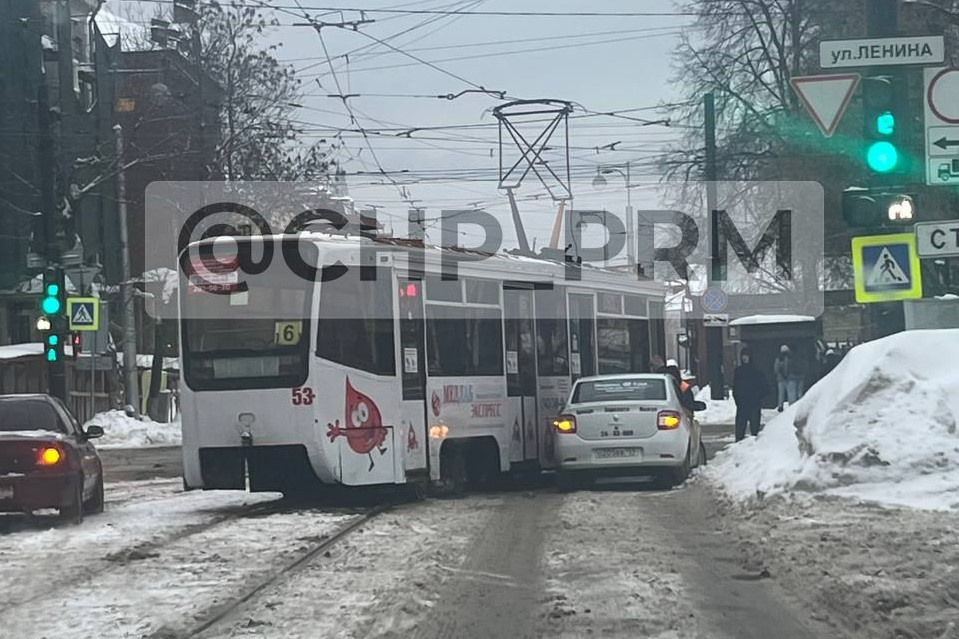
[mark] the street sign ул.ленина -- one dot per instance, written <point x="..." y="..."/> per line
<point x="941" y="106"/>
<point x="886" y="268"/>
<point x="825" y="97"/>
<point x="937" y="239"/>
<point x="881" y="52"/>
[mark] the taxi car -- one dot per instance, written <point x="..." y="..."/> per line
<point x="626" y="425"/>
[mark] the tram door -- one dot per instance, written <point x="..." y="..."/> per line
<point x="582" y="336"/>
<point x="413" y="436"/>
<point x="521" y="373"/>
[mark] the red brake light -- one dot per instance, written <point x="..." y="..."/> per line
<point x="565" y="424"/>
<point x="49" y="456"/>
<point x="668" y="420"/>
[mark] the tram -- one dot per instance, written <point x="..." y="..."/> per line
<point x="379" y="371"/>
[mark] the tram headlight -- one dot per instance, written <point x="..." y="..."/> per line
<point x="439" y="431"/>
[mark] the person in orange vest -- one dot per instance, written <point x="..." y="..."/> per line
<point x="685" y="390"/>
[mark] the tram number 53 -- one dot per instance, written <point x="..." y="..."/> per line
<point x="303" y="396"/>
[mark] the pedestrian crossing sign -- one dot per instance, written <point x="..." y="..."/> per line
<point x="83" y="313"/>
<point x="886" y="268"/>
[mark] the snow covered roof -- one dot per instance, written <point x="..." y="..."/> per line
<point x="771" y="319"/>
<point x="28" y="349"/>
<point x="132" y="36"/>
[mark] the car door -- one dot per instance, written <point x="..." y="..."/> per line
<point x="89" y="460"/>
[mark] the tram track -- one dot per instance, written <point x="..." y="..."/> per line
<point x="121" y="558"/>
<point x="221" y="612"/>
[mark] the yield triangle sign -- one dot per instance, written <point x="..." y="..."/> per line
<point x="886" y="271"/>
<point x="826" y="97"/>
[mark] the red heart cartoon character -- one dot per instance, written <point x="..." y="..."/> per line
<point x="411" y="442"/>
<point x="364" y="430"/>
<point x="436" y="404"/>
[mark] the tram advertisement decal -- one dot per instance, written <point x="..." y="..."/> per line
<point x="470" y="401"/>
<point x="363" y="425"/>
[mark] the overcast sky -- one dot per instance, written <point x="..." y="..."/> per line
<point x="600" y="64"/>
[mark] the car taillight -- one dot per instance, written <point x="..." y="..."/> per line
<point x="667" y="420"/>
<point x="565" y="424"/>
<point x="49" y="456"/>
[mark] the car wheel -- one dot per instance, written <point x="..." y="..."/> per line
<point x="453" y="473"/>
<point x="676" y="476"/>
<point x="95" y="505"/>
<point x="74" y="512"/>
<point x="566" y="482"/>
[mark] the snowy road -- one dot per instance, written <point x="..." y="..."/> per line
<point x="617" y="562"/>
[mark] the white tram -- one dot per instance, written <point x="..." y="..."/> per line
<point x="398" y="378"/>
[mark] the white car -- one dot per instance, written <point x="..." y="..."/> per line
<point x="615" y="425"/>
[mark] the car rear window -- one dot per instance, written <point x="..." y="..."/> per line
<point x="29" y="414"/>
<point x="619" y="390"/>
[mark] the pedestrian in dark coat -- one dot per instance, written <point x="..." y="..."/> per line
<point x="749" y="388"/>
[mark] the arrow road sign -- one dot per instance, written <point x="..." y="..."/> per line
<point x="944" y="143"/>
<point x="825" y="97"/>
<point x="941" y="106"/>
<point x="886" y="268"/>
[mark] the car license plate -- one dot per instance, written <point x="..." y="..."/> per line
<point x="618" y="453"/>
<point x="6" y="492"/>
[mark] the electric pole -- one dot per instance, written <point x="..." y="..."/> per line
<point x="128" y="316"/>
<point x="53" y="275"/>
<point x="714" y="334"/>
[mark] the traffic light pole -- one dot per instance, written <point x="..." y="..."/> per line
<point x="56" y="371"/>
<point x="882" y="20"/>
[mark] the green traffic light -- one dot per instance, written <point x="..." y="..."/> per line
<point x="882" y="157"/>
<point x="53" y="339"/>
<point x="51" y="354"/>
<point x="50" y="305"/>
<point x="886" y="124"/>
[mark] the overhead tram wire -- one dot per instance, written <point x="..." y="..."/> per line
<point x="349" y="109"/>
<point x="493" y="54"/>
<point x="507" y="14"/>
<point x="473" y="45"/>
<point x="419" y="25"/>
<point x="312" y="22"/>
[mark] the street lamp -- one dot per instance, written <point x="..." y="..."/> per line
<point x="599" y="182"/>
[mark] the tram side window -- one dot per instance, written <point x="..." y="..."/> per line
<point x="552" y="336"/>
<point x="356" y="322"/>
<point x="464" y="341"/>
<point x="622" y="345"/>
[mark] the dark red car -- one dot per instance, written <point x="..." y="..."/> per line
<point x="46" y="458"/>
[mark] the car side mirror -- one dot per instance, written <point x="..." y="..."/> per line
<point x="698" y="405"/>
<point x="93" y="431"/>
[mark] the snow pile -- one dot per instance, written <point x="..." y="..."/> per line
<point x="722" y="411"/>
<point x="122" y="431"/>
<point x="881" y="427"/>
<point x="751" y="320"/>
<point x="718" y="411"/>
